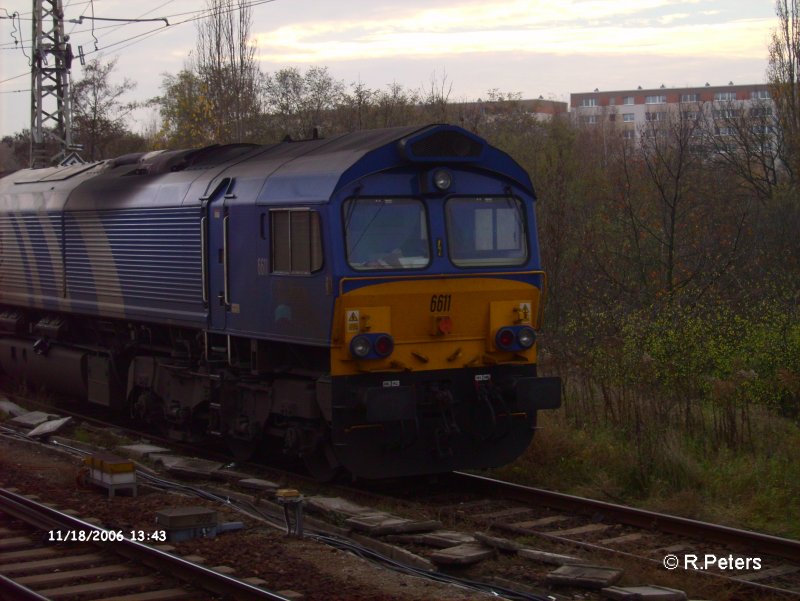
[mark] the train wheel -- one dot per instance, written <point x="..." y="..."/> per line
<point x="322" y="464"/>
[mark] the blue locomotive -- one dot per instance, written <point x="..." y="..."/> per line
<point x="369" y="301"/>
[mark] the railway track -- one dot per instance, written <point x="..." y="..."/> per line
<point x="607" y="533"/>
<point x="48" y="554"/>
<point x="640" y="518"/>
<point x="596" y="531"/>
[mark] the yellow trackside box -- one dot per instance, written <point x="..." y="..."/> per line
<point x="106" y="468"/>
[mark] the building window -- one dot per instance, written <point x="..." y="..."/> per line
<point x="689" y="115"/>
<point x="612" y="117"/>
<point x="657" y="99"/>
<point x="629" y="134"/>
<point x="725" y="113"/>
<point x="659" y="116"/>
<point x="589" y="102"/>
<point x="762" y="130"/>
<point x="725" y="96"/>
<point x="725" y="131"/>
<point x="628" y="100"/>
<point x="761" y="111"/>
<point x="690" y="97"/>
<point x="589" y="118"/>
<point x="628" y="117"/>
<point x="612" y="101"/>
<point x="760" y="95"/>
<point x="296" y="241"/>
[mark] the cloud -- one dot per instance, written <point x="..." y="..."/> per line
<point x="667" y="19"/>
<point x="670" y="35"/>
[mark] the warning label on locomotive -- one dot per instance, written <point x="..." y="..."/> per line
<point x="353" y="320"/>
<point x="524" y="311"/>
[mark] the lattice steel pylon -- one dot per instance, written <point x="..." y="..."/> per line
<point x="50" y="99"/>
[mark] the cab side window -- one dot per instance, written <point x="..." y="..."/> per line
<point x="296" y="241"/>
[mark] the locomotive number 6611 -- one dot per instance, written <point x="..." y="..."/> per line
<point x="265" y="295"/>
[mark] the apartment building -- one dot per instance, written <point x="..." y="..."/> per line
<point x="633" y="110"/>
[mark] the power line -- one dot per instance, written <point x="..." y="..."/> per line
<point x="2" y="81"/>
<point x="82" y="18"/>
<point x="72" y="32"/>
<point x="197" y="15"/>
<point x="29" y="14"/>
<point x="83" y="12"/>
<point x="144" y="14"/>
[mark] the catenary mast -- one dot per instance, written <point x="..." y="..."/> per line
<point x="50" y="98"/>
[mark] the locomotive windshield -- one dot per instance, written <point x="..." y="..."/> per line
<point x="486" y="231"/>
<point x="386" y="233"/>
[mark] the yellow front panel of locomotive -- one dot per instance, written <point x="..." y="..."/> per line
<point x="436" y="323"/>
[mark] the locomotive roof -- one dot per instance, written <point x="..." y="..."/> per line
<point x="288" y="172"/>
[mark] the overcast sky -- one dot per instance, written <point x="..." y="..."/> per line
<point x="534" y="47"/>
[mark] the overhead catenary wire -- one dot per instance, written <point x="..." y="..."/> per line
<point x="125" y="24"/>
<point x="196" y="15"/>
<point x="132" y="40"/>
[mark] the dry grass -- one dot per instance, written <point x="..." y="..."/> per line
<point x="670" y="471"/>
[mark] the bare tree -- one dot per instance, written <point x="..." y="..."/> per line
<point x="226" y="64"/>
<point x="396" y="105"/>
<point x="358" y="105"/>
<point x="681" y="222"/>
<point x="437" y="98"/>
<point x="98" y="109"/>
<point x="303" y="102"/>
<point x="746" y="141"/>
<point x="783" y="73"/>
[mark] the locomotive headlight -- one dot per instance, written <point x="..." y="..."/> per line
<point x="526" y="337"/>
<point x="442" y="179"/>
<point x="384" y="345"/>
<point x="360" y="346"/>
<point x="504" y="338"/>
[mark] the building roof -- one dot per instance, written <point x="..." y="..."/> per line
<point x="705" y="93"/>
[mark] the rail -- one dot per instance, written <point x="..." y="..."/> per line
<point x="46" y="518"/>
<point x="641" y="518"/>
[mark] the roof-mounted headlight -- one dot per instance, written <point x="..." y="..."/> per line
<point x="442" y="179"/>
